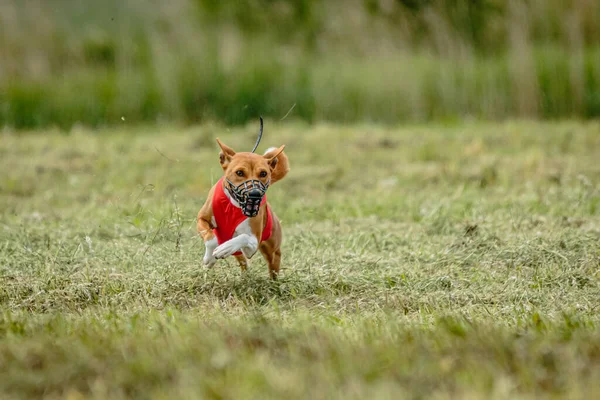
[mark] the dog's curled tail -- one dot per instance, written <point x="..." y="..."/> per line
<point x="282" y="167"/>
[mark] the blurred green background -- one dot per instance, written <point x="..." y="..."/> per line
<point x="97" y="63"/>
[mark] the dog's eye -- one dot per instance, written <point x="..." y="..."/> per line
<point x="263" y="174"/>
<point x="239" y="172"/>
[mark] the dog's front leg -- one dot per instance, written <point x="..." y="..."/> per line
<point x="210" y="240"/>
<point x="211" y="245"/>
<point x="245" y="241"/>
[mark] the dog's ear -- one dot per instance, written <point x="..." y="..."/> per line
<point x="271" y="156"/>
<point x="278" y="162"/>
<point x="225" y="155"/>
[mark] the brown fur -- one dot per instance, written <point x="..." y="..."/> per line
<point x="276" y="164"/>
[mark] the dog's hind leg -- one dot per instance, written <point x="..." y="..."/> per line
<point x="243" y="261"/>
<point x="271" y="249"/>
<point x="273" y="259"/>
<point x="274" y="264"/>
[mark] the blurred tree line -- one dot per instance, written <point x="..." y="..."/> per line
<point x="64" y="62"/>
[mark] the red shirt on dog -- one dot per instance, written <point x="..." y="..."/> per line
<point x="228" y="217"/>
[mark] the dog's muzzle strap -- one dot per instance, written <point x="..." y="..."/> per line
<point x="249" y="195"/>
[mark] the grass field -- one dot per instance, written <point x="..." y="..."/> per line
<point x="418" y="262"/>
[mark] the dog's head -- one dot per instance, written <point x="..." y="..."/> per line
<point x="248" y="175"/>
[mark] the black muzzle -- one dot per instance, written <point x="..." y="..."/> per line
<point x="249" y="195"/>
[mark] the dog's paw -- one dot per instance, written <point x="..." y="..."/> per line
<point x="225" y="250"/>
<point x="209" y="260"/>
<point x="211" y="245"/>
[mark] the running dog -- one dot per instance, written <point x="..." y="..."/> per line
<point x="236" y="218"/>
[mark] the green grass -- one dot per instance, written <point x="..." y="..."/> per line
<point x="418" y="262"/>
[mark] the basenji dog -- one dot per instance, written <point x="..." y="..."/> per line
<point x="236" y="218"/>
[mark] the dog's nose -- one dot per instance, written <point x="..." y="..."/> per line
<point x="254" y="193"/>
